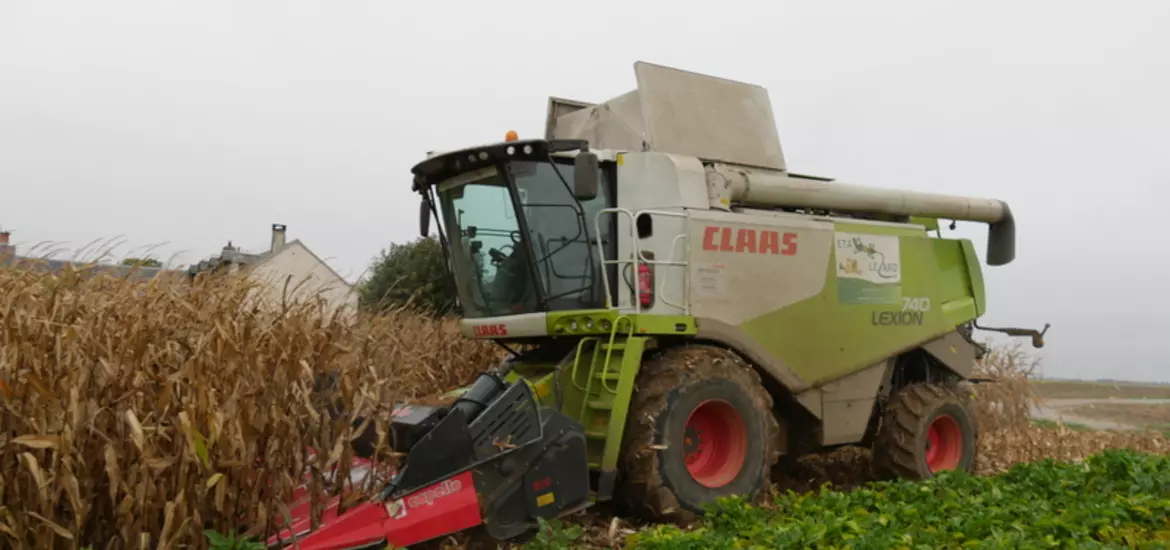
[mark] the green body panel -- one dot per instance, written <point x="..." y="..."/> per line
<point x="931" y="224"/>
<point x="821" y="339"/>
<point x="976" y="276"/>
<point x="603" y="320"/>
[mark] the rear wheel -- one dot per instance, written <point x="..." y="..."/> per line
<point x="926" y="429"/>
<point x="700" y="427"/>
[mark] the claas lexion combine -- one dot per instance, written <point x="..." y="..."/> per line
<point x="691" y="316"/>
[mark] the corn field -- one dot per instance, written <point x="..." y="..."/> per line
<point x="139" y="414"/>
<point x="136" y="415"/>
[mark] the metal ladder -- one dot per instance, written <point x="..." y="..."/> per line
<point x="602" y="388"/>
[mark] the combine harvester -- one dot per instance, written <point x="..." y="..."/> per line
<point x="693" y="314"/>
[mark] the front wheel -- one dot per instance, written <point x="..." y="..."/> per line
<point x="701" y="427"/>
<point x="926" y="429"/>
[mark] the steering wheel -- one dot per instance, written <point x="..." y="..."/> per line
<point x="498" y="255"/>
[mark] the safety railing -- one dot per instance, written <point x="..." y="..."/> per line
<point x="637" y="257"/>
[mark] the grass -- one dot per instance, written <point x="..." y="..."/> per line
<point x="140" y="415"/>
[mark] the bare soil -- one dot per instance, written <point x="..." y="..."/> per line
<point x="1142" y="415"/>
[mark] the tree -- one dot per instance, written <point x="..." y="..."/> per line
<point x="142" y="262"/>
<point x="414" y="273"/>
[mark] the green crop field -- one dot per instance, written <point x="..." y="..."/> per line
<point x="1115" y="499"/>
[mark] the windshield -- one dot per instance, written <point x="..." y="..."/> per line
<point x="491" y="244"/>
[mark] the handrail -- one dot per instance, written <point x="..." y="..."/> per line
<point x="613" y="331"/>
<point x="577" y="360"/>
<point x="588" y="389"/>
<point x="637" y="256"/>
<point x="686" y="275"/>
<point x="601" y="252"/>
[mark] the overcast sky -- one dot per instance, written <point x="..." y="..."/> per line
<point x="189" y="124"/>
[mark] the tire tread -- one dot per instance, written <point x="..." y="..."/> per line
<point x="895" y="453"/>
<point x="644" y="491"/>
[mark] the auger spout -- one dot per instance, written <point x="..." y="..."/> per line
<point x="731" y="184"/>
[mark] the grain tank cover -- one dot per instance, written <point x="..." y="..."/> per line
<point x="679" y="112"/>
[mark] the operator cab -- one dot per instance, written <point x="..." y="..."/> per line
<point x="516" y="223"/>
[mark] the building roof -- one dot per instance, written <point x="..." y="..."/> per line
<point x="233" y="255"/>
<point x="322" y="262"/>
<point x="9" y="258"/>
<point x="229" y="255"/>
<point x="48" y="265"/>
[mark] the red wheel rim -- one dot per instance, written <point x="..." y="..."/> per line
<point x="944" y="444"/>
<point x="715" y="443"/>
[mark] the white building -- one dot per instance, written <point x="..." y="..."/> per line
<point x="286" y="270"/>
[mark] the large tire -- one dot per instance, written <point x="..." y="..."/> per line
<point x="925" y="429"/>
<point x="713" y="392"/>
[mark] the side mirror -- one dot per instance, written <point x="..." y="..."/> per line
<point x="424" y="218"/>
<point x="585" y="176"/>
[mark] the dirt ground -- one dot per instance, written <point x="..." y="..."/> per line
<point x="1152" y="415"/>
<point x="1084" y="390"/>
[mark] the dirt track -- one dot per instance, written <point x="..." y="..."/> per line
<point x="1058" y="409"/>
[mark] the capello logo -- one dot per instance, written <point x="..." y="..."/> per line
<point x="429" y="496"/>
